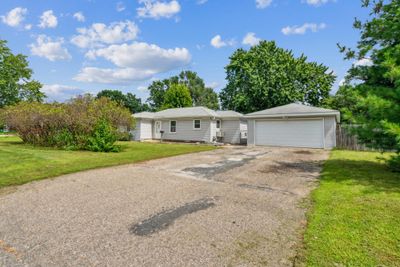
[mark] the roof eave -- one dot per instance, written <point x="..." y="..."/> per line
<point x="292" y="115"/>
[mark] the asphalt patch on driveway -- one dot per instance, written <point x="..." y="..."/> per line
<point x="301" y="166"/>
<point x="162" y="220"/>
<point x="210" y="171"/>
<point x="266" y="188"/>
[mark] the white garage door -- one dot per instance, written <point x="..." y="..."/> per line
<point x="296" y="133"/>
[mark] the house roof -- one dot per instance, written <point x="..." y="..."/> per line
<point x="144" y="115"/>
<point x="294" y="110"/>
<point x="228" y="114"/>
<point x="191" y="112"/>
<point x="186" y="112"/>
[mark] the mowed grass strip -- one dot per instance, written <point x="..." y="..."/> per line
<point x="21" y="163"/>
<point x="355" y="219"/>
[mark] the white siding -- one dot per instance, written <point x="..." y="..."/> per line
<point x="136" y="131"/>
<point x="330" y="132"/>
<point x="243" y="125"/>
<point x="186" y="132"/>
<point x="250" y="132"/>
<point x="231" y="131"/>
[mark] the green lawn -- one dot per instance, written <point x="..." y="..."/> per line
<point x="355" y="219"/>
<point x="20" y="163"/>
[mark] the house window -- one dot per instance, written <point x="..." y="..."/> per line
<point x="218" y="124"/>
<point x="172" y="126"/>
<point x="197" y="124"/>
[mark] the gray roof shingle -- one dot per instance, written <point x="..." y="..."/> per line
<point x="294" y="110"/>
<point x="191" y="112"/>
<point x="228" y="114"/>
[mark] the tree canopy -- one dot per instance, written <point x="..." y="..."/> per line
<point x="130" y="101"/>
<point x="371" y="96"/>
<point x="177" y="96"/>
<point x="199" y="93"/>
<point x="15" y="79"/>
<point x="267" y="76"/>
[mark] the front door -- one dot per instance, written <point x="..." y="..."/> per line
<point x="157" y="129"/>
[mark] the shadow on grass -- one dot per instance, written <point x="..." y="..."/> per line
<point x="375" y="176"/>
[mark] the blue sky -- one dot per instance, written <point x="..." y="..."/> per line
<point x="84" y="46"/>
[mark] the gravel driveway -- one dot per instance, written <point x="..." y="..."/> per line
<point x="233" y="206"/>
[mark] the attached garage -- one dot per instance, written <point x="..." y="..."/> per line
<point x="293" y="125"/>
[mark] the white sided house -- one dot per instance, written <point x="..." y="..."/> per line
<point x="293" y="125"/>
<point x="193" y="124"/>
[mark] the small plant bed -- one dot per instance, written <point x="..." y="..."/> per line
<point x="21" y="163"/>
<point x="355" y="218"/>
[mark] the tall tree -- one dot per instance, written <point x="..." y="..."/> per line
<point x="15" y="79"/>
<point x="177" y="96"/>
<point x="130" y="101"/>
<point x="376" y="85"/>
<point x="200" y="94"/>
<point x="267" y="76"/>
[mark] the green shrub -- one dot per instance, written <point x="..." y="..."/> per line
<point x="64" y="139"/>
<point x="124" y="136"/>
<point x="103" y="138"/>
<point x="73" y="125"/>
<point x="394" y="163"/>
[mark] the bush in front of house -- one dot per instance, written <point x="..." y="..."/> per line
<point x="103" y="138"/>
<point x="84" y="123"/>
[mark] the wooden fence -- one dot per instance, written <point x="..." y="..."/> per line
<point x="345" y="140"/>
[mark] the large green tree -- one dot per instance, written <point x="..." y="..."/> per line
<point x="177" y="96"/>
<point x="267" y="76"/>
<point x="16" y="82"/>
<point x="130" y="101"/>
<point x="200" y="94"/>
<point x="371" y="97"/>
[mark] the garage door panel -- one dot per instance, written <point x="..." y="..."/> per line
<point x="296" y="133"/>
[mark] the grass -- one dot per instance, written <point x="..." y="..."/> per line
<point x="21" y="163"/>
<point x="355" y="218"/>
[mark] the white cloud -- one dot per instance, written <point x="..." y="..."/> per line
<point x="99" y="34"/>
<point x="158" y="9"/>
<point x="121" y="76"/>
<point x="263" y="3"/>
<point x="364" y="62"/>
<point x="48" y="48"/>
<point x="120" y="7"/>
<point x="28" y="27"/>
<point x="143" y="56"/>
<point x="14" y="17"/>
<point x="217" y="42"/>
<point x="142" y="88"/>
<point x="136" y="61"/>
<point x="212" y="85"/>
<point x="313" y="27"/>
<point x="251" y="39"/>
<point x="79" y="16"/>
<point x="48" y="20"/>
<point x="58" y="92"/>
<point x="317" y="2"/>
<point x="200" y="2"/>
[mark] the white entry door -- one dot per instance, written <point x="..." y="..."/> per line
<point x="157" y="129"/>
<point x="295" y="133"/>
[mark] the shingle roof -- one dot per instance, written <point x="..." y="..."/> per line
<point x="191" y="112"/>
<point x="144" y="115"/>
<point x="294" y="110"/>
<point x="186" y="112"/>
<point x="228" y="114"/>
